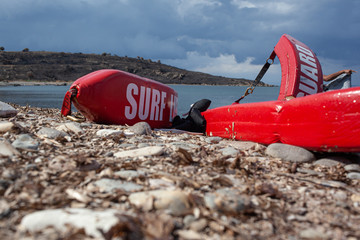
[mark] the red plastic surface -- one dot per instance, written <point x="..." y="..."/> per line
<point x="301" y="73"/>
<point x="314" y="120"/>
<point x="117" y="97"/>
<point x="327" y="121"/>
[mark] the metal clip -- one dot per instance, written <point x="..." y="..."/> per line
<point x="271" y="61"/>
<point x="249" y="90"/>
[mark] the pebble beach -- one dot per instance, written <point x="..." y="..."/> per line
<point x="61" y="179"/>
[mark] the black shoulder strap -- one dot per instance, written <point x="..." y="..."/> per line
<point x="262" y="72"/>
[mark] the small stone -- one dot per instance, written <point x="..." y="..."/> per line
<point x="198" y="225"/>
<point x="340" y="195"/>
<point x="174" y="201"/>
<point x="127" y="146"/>
<point x="332" y="161"/>
<point x="140" y="128"/>
<point x="109" y="185"/>
<point x="141" y="145"/>
<point x="7" y="111"/>
<point x="107" y="172"/>
<point x="352" y="168"/>
<point x="229" y="151"/>
<point x="146" y="151"/>
<point x="62" y="163"/>
<point x="355" y="198"/>
<point x="71" y="127"/>
<point x="213" y="139"/>
<point x="31" y="166"/>
<point x="91" y="165"/>
<point x="314" y="233"/>
<point x="188" y="219"/>
<point x="7" y="150"/>
<point x="109" y="133"/>
<point x="184" y="145"/>
<point x="189" y="235"/>
<point x="129" y="174"/>
<point x="6" y="126"/>
<point x="4" y="208"/>
<point x="216" y="226"/>
<point x="353" y="175"/>
<point x="25" y="141"/>
<point x="327" y="162"/>
<point x="160" y="183"/>
<point x="9" y="174"/>
<point x="93" y="222"/>
<point x="289" y="153"/>
<point x="242" y="145"/>
<point x="227" y="200"/>
<point x="51" y="133"/>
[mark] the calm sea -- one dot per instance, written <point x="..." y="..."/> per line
<point x="52" y="96"/>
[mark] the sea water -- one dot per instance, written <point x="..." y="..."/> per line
<point x="50" y="96"/>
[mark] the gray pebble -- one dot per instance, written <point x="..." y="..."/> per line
<point x="50" y="133"/>
<point x="25" y="141"/>
<point x="71" y="127"/>
<point x="127" y="145"/>
<point x="229" y="151"/>
<point x="6" y="149"/>
<point x="140" y="128"/>
<point x="352" y="168"/>
<point x="227" y="200"/>
<point x="141" y="145"/>
<point x="4" y="208"/>
<point x="7" y="111"/>
<point x="175" y="202"/>
<point x="289" y="153"/>
<point x="126" y="174"/>
<point x="188" y="219"/>
<point x="145" y="151"/>
<point x="109" y="185"/>
<point x="353" y="176"/>
<point x="314" y="233"/>
<point x="213" y="139"/>
<point x="327" y="162"/>
<point x="6" y="126"/>
<point x="184" y="145"/>
<point x="199" y="225"/>
<point x="93" y="222"/>
<point x="109" y="133"/>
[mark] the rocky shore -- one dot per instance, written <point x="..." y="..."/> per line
<point x="67" y="67"/>
<point x="65" y="180"/>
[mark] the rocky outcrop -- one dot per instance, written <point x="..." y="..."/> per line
<point x="60" y="66"/>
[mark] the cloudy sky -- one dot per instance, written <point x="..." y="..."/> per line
<point x="229" y="38"/>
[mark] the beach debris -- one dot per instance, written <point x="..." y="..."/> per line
<point x="101" y="183"/>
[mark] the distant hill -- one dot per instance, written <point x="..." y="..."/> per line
<point x="59" y="66"/>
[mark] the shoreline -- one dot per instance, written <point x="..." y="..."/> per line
<point x="66" y="83"/>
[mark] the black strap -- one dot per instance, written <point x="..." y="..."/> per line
<point x="261" y="74"/>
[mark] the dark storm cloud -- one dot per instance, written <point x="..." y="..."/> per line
<point x="231" y="38"/>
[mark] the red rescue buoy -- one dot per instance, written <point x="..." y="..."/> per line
<point x="301" y="73"/>
<point x="303" y="115"/>
<point x="116" y="97"/>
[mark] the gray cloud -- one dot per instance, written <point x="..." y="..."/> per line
<point x="230" y="38"/>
